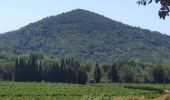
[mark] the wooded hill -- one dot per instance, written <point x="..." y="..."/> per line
<point x="88" y="36"/>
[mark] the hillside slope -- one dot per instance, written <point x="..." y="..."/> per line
<point x="88" y="35"/>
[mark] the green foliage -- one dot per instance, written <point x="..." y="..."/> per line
<point x="81" y="77"/>
<point x="97" y="74"/>
<point x="88" y="36"/>
<point x="113" y="74"/>
<point x="164" y="10"/>
<point x="69" y="71"/>
<point x="27" y="71"/>
<point x="106" y="68"/>
<point x="37" y="55"/>
<point x="158" y="74"/>
<point x="61" y="91"/>
<point x="130" y="71"/>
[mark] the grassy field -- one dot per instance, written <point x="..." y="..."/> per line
<point x="60" y="91"/>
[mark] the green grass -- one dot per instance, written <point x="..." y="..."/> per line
<point x="60" y="91"/>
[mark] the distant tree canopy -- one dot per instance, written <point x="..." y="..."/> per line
<point x="164" y="10"/>
<point x="76" y="34"/>
<point x="37" y="67"/>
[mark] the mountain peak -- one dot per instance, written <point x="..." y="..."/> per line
<point x="79" y="10"/>
<point x="81" y="13"/>
<point x="87" y="35"/>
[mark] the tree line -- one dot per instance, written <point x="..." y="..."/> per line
<point x="70" y="70"/>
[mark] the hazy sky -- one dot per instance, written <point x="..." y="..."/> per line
<point x="17" y="13"/>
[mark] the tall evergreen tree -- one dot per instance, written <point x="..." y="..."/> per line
<point x="81" y="77"/>
<point x="20" y="71"/>
<point x="71" y="77"/>
<point x="113" y="75"/>
<point x="34" y="68"/>
<point x="63" y="71"/>
<point x="97" y="74"/>
<point x="40" y="72"/>
<point x="16" y="69"/>
<point x="158" y="74"/>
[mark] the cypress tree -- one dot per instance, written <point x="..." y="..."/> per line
<point x="70" y="75"/>
<point x="81" y="77"/>
<point x="21" y="70"/>
<point x="16" y="69"/>
<point x="34" y="68"/>
<point x="113" y="75"/>
<point x="97" y="74"/>
<point x="63" y="71"/>
<point x="40" y="72"/>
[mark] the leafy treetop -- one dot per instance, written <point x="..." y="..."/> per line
<point x="164" y="10"/>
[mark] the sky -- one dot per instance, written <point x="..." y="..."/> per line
<point x="15" y="14"/>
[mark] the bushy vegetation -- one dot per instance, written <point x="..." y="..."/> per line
<point x="61" y="91"/>
<point x="89" y="36"/>
<point x="38" y="67"/>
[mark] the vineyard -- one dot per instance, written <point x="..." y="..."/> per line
<point x="60" y="91"/>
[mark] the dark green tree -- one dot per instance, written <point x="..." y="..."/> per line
<point x="158" y="75"/>
<point x="63" y="71"/>
<point x="113" y="74"/>
<point x="16" y="69"/>
<point x="54" y="74"/>
<point x="70" y="75"/>
<point x="40" y="72"/>
<point x="81" y="77"/>
<point x="20" y="71"/>
<point x="97" y="74"/>
<point x="33" y="69"/>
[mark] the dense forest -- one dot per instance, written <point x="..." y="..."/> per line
<point x="37" y="67"/>
<point x="83" y="47"/>
<point x="88" y="36"/>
